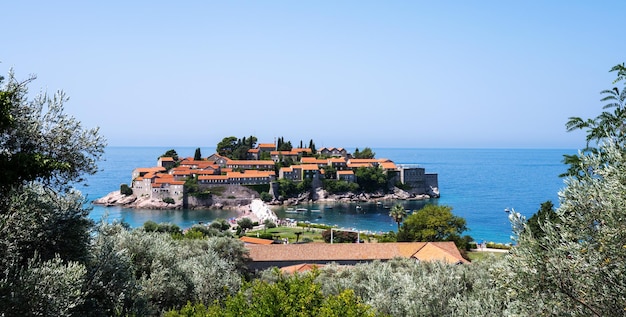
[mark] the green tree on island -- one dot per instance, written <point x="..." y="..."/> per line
<point x="236" y="149"/>
<point x="397" y="213"/>
<point x="170" y="153"/>
<point x="371" y="179"/>
<point x="197" y="156"/>
<point x="365" y="154"/>
<point x="312" y="147"/>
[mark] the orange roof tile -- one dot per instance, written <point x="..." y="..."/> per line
<point x="253" y="240"/>
<point x="309" y="167"/>
<point x="300" y="268"/>
<point x="149" y="169"/>
<point x="337" y="160"/>
<point x="286" y="153"/>
<point x="357" y="165"/>
<point x="363" y="161"/>
<point x="286" y="169"/>
<point x="266" y="145"/>
<point x="309" y="252"/>
<point x="300" y="150"/>
<point x="348" y="172"/>
<point x="388" y="165"/>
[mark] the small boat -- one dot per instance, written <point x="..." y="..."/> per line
<point x="358" y="207"/>
<point x="302" y="210"/>
<point x="328" y="207"/>
<point x="315" y="210"/>
<point x="290" y="210"/>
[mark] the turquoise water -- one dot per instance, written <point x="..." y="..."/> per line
<point x="477" y="183"/>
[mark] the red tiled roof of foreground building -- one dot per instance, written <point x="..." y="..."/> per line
<point x="252" y="240"/>
<point x="300" y="268"/>
<point x="310" y="252"/>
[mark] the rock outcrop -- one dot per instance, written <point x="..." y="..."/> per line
<point x="132" y="201"/>
<point x="236" y="196"/>
<point x="321" y="195"/>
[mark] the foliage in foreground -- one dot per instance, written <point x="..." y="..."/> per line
<point x="402" y="287"/>
<point x="577" y="265"/>
<point x="297" y="295"/>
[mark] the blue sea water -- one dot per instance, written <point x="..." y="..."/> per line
<point x="477" y="183"/>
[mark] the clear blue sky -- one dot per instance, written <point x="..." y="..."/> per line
<point x="432" y="74"/>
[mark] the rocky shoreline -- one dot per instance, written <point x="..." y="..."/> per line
<point x="241" y="198"/>
<point x="322" y="196"/>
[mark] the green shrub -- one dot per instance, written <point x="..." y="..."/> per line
<point x="265" y="196"/>
<point x="313" y="225"/>
<point x="266" y="236"/>
<point x="125" y="190"/>
<point x="169" y="200"/>
<point x="493" y="245"/>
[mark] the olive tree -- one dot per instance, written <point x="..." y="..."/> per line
<point x="44" y="245"/>
<point x="38" y="141"/>
<point x="577" y="266"/>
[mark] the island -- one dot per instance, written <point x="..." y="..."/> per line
<point x="277" y="173"/>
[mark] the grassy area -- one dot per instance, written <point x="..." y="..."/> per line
<point x="481" y="255"/>
<point x="312" y="234"/>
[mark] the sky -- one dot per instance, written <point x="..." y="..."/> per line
<point x="379" y="74"/>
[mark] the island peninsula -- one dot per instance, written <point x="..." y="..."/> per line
<point x="277" y="173"/>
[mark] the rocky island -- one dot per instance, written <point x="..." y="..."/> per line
<point x="276" y="173"/>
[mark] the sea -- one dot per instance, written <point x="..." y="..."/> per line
<point x="479" y="185"/>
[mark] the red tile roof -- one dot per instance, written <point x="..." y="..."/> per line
<point x="300" y="268"/>
<point x="252" y="240"/>
<point x="310" y="252"/>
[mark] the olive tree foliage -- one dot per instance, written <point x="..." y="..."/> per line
<point x="404" y="287"/>
<point x="45" y="288"/>
<point x="297" y="295"/>
<point x="608" y="126"/>
<point x="577" y="266"/>
<point x="44" y="245"/>
<point x="170" y="272"/>
<point x="38" y="141"/>
<point x="42" y="232"/>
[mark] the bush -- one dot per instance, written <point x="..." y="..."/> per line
<point x="265" y="196"/>
<point x="313" y="225"/>
<point x="340" y="236"/>
<point x="125" y="190"/>
<point x="169" y="200"/>
<point x="493" y="245"/>
<point x="266" y="236"/>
